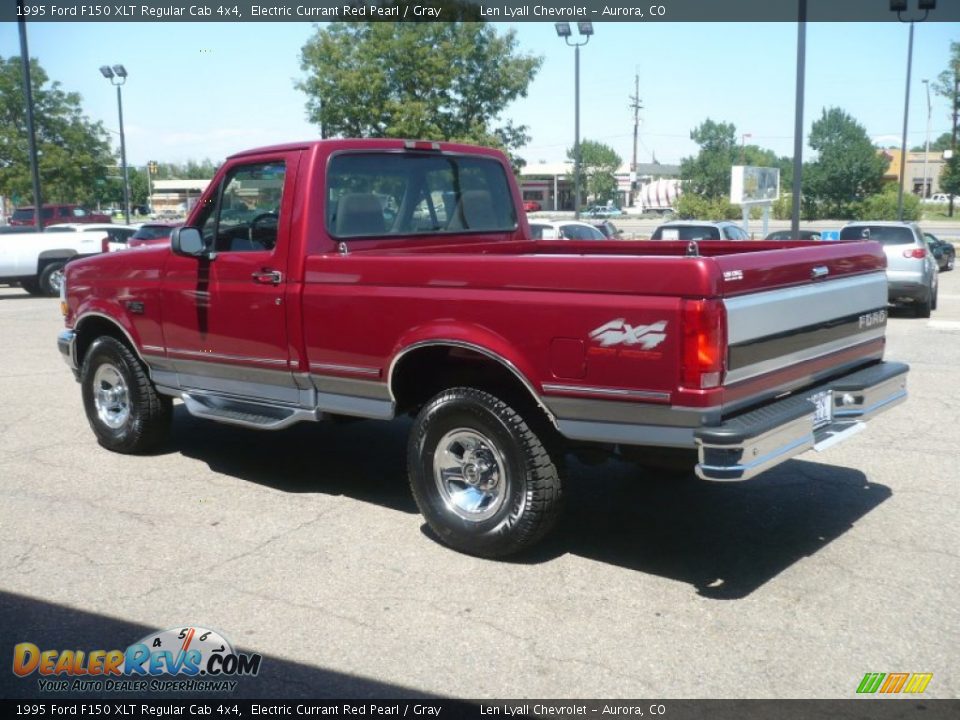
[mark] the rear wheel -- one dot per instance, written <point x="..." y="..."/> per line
<point x="51" y="278"/>
<point x="482" y="478"/>
<point x="123" y="408"/>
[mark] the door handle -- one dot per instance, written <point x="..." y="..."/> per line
<point x="267" y="277"/>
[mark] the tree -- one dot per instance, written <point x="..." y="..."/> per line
<point x="950" y="176"/>
<point x="431" y="80"/>
<point x="74" y="154"/>
<point x="708" y="174"/>
<point x="938" y="146"/>
<point x="598" y="168"/>
<point x="848" y="168"/>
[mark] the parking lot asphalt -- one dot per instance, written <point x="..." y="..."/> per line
<point x="305" y="546"/>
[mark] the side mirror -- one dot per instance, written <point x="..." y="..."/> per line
<point x="187" y="241"/>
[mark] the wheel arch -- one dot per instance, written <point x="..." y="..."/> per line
<point x="428" y="366"/>
<point x="92" y="325"/>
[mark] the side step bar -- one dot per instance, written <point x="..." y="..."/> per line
<point x="244" y="412"/>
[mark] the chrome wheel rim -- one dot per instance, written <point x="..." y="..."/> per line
<point x="110" y="396"/>
<point x="56" y="280"/>
<point x="470" y="474"/>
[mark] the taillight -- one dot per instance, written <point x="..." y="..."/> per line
<point x="918" y="253"/>
<point x="704" y="343"/>
<point x="105" y="244"/>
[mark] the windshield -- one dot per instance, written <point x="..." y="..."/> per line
<point x="883" y="234"/>
<point x="389" y="193"/>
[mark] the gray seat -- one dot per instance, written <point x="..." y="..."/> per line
<point x="474" y="212"/>
<point x="359" y="214"/>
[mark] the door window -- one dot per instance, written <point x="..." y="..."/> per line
<point x="246" y="214"/>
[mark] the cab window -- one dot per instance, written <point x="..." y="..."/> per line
<point x="246" y="213"/>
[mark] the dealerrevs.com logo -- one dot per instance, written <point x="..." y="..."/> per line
<point x="175" y="660"/>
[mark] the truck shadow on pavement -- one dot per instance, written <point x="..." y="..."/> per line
<point x="724" y="539"/>
<point x="56" y="627"/>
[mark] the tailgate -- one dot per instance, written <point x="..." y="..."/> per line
<point x="798" y="315"/>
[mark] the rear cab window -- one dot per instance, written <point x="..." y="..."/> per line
<point x="376" y="194"/>
<point x="883" y="234"/>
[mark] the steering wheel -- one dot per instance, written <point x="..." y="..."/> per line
<point x="270" y="230"/>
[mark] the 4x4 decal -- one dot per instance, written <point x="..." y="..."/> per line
<point x="619" y="332"/>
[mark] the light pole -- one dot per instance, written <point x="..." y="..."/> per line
<point x="117" y="75"/>
<point x="586" y="30"/>
<point x="743" y="141"/>
<point x="899" y="6"/>
<point x="926" y="147"/>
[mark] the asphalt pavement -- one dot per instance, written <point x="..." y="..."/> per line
<point x="305" y="546"/>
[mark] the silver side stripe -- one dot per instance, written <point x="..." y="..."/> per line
<point x="223" y="356"/>
<point x="785" y="361"/>
<point x="153" y="348"/>
<point x="608" y="392"/>
<point x="778" y="311"/>
<point x="354" y="369"/>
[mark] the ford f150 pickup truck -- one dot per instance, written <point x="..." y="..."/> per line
<point x="374" y="278"/>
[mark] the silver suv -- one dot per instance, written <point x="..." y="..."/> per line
<point x="911" y="268"/>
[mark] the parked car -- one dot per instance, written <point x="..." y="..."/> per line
<point x="911" y="268"/>
<point x="36" y="260"/>
<point x="564" y="230"/>
<point x="609" y="230"/>
<point x="698" y="230"/>
<point x="53" y="213"/>
<point x="532" y="206"/>
<point x="152" y="233"/>
<point x="788" y="235"/>
<point x="943" y="252"/>
<point x="940" y="198"/>
<point x="602" y="211"/>
<point x="116" y="236"/>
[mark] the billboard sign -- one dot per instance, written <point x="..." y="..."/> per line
<point x="751" y="185"/>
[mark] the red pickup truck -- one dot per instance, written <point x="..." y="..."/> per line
<point x="52" y="214"/>
<point x="375" y="278"/>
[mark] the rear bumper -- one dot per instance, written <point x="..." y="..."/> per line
<point x="747" y="445"/>
<point x="917" y="291"/>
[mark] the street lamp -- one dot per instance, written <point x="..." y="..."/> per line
<point x="899" y="6"/>
<point x="743" y="142"/>
<point x="117" y="75"/>
<point x="586" y="30"/>
<point x="926" y="148"/>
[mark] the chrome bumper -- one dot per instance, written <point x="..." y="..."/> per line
<point x="749" y="444"/>
<point x="67" y="345"/>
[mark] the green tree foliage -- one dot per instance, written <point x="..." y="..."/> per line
<point x="950" y="176"/>
<point x="945" y="84"/>
<point x="73" y="152"/>
<point x="190" y="170"/>
<point x="598" y="167"/>
<point x="432" y="81"/>
<point x="847" y="169"/>
<point x="697" y="207"/>
<point x="938" y="146"/>
<point x="708" y="174"/>
<point x="883" y="206"/>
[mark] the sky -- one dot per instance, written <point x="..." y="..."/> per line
<point x="206" y="90"/>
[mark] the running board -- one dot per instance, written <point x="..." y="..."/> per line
<point x="245" y="413"/>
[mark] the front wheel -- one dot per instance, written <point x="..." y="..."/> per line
<point x="123" y="408"/>
<point x="482" y="478"/>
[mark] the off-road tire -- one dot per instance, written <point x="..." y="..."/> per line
<point x="530" y="484"/>
<point x="146" y="425"/>
<point x="47" y="275"/>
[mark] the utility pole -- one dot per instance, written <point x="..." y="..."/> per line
<point x="953" y="137"/>
<point x="637" y="107"/>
